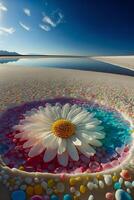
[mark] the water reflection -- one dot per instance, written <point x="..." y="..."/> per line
<point x="85" y="64"/>
<point x="8" y="60"/>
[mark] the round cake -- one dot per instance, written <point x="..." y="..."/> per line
<point x="66" y="138"/>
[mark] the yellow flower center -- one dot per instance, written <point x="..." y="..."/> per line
<point x="63" y="128"/>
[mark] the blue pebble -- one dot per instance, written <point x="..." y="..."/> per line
<point x="54" y="197"/>
<point x="18" y="195"/>
<point x="122" y="195"/>
<point x="67" y="197"/>
<point x="117" y="186"/>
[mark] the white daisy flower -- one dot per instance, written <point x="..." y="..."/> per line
<point x="61" y="131"/>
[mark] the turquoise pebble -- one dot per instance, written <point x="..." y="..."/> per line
<point x="133" y="183"/>
<point x="128" y="184"/>
<point x="117" y="186"/>
<point x="122" y="195"/>
<point x="67" y="197"/>
<point x="54" y="197"/>
<point x="18" y="195"/>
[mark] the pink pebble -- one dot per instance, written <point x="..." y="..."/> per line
<point x="126" y="149"/>
<point x="106" y="166"/>
<point x="78" y="170"/>
<point x="114" y="163"/>
<point x="109" y="196"/>
<point x="37" y="197"/>
<point x="62" y="177"/>
<point x="94" y="166"/>
<point x="46" y="197"/>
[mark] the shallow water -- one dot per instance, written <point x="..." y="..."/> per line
<point x="85" y="64"/>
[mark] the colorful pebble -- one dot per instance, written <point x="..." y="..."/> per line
<point x="82" y="189"/>
<point x="117" y="186"/>
<point x="54" y="197"/>
<point x="109" y="196"/>
<point x="122" y="195"/>
<point x="125" y="174"/>
<point x="18" y="195"/>
<point x="67" y="197"/>
<point x="29" y="190"/>
<point x="37" y="197"/>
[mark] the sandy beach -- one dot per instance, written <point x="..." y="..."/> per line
<point x="122" y="61"/>
<point x="21" y="84"/>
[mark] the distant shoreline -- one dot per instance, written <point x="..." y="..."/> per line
<point x="43" y="56"/>
<point x="126" y="62"/>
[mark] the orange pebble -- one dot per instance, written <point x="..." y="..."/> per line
<point x="125" y="174"/>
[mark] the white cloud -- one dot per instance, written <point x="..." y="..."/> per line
<point x="45" y="27"/>
<point x="48" y="20"/>
<point x="6" y="31"/>
<point x="2" y="7"/>
<point x="55" y="19"/>
<point x="27" y="12"/>
<point x="61" y="16"/>
<point x="27" y="28"/>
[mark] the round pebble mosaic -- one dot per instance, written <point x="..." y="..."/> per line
<point x="107" y="174"/>
<point x="113" y="151"/>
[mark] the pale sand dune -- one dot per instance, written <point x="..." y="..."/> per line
<point x="122" y="61"/>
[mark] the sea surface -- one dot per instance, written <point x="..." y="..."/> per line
<point x="85" y="64"/>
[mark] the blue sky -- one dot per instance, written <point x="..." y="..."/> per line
<point x="86" y="27"/>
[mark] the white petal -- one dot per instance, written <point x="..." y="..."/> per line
<point x="57" y="110"/>
<point x="90" y="138"/>
<point x="73" y="113"/>
<point x="72" y="151"/>
<point x="31" y="126"/>
<point x="65" y="110"/>
<point x="49" y="154"/>
<point x="51" y="141"/>
<point x="62" y="145"/>
<point x="19" y="135"/>
<point x="78" y="118"/>
<point x="72" y="108"/>
<point x="58" y="104"/>
<point x="90" y="126"/>
<point x="39" y="117"/>
<point x="82" y="137"/>
<point x="94" y="128"/>
<point x="29" y="143"/>
<point x="36" y="150"/>
<point x="35" y="129"/>
<point x="31" y="112"/>
<point x="50" y="112"/>
<point x="89" y="118"/>
<point x="94" y="122"/>
<point x="34" y="135"/>
<point x="97" y="135"/>
<point x="75" y="140"/>
<point x="95" y="142"/>
<point x="43" y="134"/>
<point x="87" y="150"/>
<point x="63" y="159"/>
